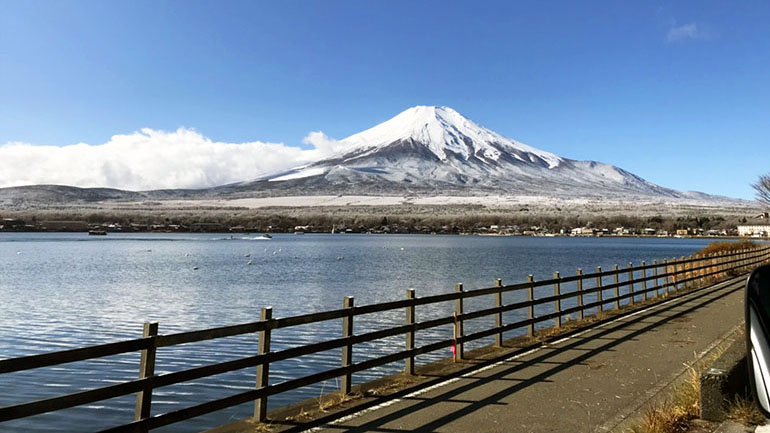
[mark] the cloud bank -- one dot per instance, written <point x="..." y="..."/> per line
<point x="151" y="159"/>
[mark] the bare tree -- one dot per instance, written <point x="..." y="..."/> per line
<point x="762" y="186"/>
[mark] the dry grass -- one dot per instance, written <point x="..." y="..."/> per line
<point x="745" y="411"/>
<point x="674" y="415"/>
<point x="327" y="402"/>
<point x="303" y="415"/>
<point x="398" y="383"/>
<point x="727" y="247"/>
<point x="260" y="427"/>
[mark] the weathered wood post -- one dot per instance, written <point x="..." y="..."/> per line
<point x="666" y="277"/>
<point x="657" y="280"/>
<point x="499" y="314"/>
<point x="459" y="312"/>
<point x="644" y="280"/>
<point x="630" y="281"/>
<point x="721" y="264"/>
<point x="674" y="281"/>
<point x="725" y="265"/>
<point x="616" y="279"/>
<point x="409" y="369"/>
<point x="698" y="270"/>
<point x="581" y="313"/>
<point x="531" y="308"/>
<point x="557" y="302"/>
<point x="673" y="276"/>
<point x="346" y="381"/>
<point x="263" y="370"/>
<point x="599" y="294"/>
<point x="146" y="369"/>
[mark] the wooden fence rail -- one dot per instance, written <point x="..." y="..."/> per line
<point x="639" y="284"/>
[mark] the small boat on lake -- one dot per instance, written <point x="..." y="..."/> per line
<point x="97" y="232"/>
<point x="264" y="237"/>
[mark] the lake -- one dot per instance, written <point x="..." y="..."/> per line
<point x="61" y="291"/>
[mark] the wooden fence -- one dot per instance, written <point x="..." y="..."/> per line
<point x="641" y="283"/>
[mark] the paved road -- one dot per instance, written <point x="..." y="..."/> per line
<point x="586" y="383"/>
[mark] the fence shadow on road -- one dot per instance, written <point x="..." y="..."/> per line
<point x="650" y="320"/>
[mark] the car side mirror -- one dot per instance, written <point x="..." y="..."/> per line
<point x="758" y="335"/>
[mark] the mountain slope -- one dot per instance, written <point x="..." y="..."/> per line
<point x="437" y="150"/>
<point x="423" y="151"/>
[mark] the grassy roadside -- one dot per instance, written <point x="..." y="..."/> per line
<point x="679" y="412"/>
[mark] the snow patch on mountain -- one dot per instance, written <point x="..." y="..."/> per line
<point x="299" y="174"/>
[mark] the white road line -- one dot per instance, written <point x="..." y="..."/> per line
<point x="512" y="358"/>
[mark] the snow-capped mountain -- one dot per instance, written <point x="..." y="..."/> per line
<point x="436" y="150"/>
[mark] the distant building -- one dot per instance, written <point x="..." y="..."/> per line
<point x="756" y="228"/>
<point x="583" y="231"/>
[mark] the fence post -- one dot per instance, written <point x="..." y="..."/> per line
<point x="644" y="280"/>
<point x="499" y="315"/>
<point x="683" y="274"/>
<point x="630" y="279"/>
<point x="263" y="370"/>
<point x="459" y="312"/>
<point x="696" y="271"/>
<point x="657" y="280"/>
<point x="346" y="381"/>
<point x="581" y="313"/>
<point x="721" y="265"/>
<point x="557" y="302"/>
<point x="672" y="276"/>
<point x="666" y="277"/>
<point x="599" y="294"/>
<point x="531" y="309"/>
<point x="674" y="271"/>
<point x="146" y="369"/>
<point x="617" y="287"/>
<point x="409" y="369"/>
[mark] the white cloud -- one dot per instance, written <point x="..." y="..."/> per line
<point x="683" y="32"/>
<point x="151" y="159"/>
<point x="323" y="144"/>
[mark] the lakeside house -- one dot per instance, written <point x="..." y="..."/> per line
<point x="583" y="231"/>
<point x="758" y="226"/>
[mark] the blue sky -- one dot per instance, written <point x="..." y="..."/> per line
<point x="677" y="92"/>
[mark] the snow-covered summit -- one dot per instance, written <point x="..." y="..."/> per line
<point x="438" y="151"/>
<point x="444" y="132"/>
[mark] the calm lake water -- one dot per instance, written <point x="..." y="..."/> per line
<point x="62" y="291"/>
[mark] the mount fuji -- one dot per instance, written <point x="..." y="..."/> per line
<point x="436" y="150"/>
<point x="423" y="152"/>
